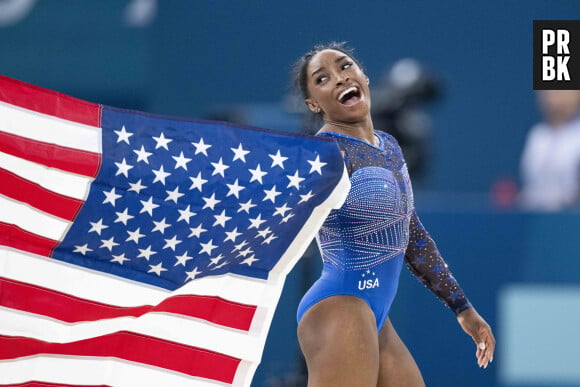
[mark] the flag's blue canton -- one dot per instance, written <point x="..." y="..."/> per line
<point x="179" y="200"/>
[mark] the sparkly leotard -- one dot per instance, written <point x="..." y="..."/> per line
<point x="365" y="242"/>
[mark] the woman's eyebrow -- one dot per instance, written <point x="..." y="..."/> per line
<point x="317" y="71"/>
<point x="322" y="68"/>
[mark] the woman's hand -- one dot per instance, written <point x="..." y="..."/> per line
<point x="476" y="327"/>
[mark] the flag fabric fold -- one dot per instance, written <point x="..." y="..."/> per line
<point x="146" y="250"/>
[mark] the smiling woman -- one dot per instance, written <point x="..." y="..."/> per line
<point x="343" y="325"/>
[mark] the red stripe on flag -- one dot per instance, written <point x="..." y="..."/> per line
<point x="213" y="309"/>
<point x="64" y="307"/>
<point x="37" y="196"/>
<point x="49" y="102"/>
<point x="55" y="156"/>
<point x="133" y="347"/>
<point x="14" y="236"/>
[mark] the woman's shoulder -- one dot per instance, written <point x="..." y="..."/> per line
<point x="390" y="143"/>
<point x="386" y="136"/>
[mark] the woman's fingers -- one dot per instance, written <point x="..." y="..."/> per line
<point x="476" y="327"/>
<point x="486" y="347"/>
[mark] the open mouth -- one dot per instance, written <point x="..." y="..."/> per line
<point x="349" y="96"/>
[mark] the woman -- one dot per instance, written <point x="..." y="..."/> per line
<point x="343" y="329"/>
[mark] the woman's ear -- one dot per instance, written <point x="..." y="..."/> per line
<point x="313" y="106"/>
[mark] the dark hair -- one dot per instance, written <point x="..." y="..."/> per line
<point x="300" y="77"/>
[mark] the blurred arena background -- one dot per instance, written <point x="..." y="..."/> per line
<point x="452" y="80"/>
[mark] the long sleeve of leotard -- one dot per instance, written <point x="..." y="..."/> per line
<point x="426" y="263"/>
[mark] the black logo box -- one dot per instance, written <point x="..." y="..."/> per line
<point x="573" y="64"/>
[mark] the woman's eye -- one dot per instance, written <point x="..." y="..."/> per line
<point x="347" y="65"/>
<point x="321" y="79"/>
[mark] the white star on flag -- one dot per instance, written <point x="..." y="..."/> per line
<point x="123" y="217"/>
<point x="123" y="168"/>
<point x="270" y="238"/>
<point x="148" y="206"/>
<point x="82" y="249"/>
<point x="173" y="195"/>
<point x="181" y="161"/>
<point x="162" y="141"/>
<point x="157" y="269"/>
<point x="257" y="174"/>
<point x="282" y="210"/>
<point x="137" y="187"/>
<point x="196" y="231"/>
<point x="171" y="243"/>
<point x="111" y="197"/>
<point x="220" y="265"/>
<point x="146" y="253"/>
<point x="316" y="165"/>
<point x="271" y="194"/>
<point x="142" y="155"/>
<point x="240" y="246"/>
<point x="234" y="189"/>
<point x="185" y="214"/>
<point x="134" y="235"/>
<point x="221" y="219"/>
<point x="109" y="243"/>
<point x="256" y="222"/>
<point x="182" y="259"/>
<point x="245" y="252"/>
<point x="192" y="274"/>
<point x="249" y="261"/>
<point x="278" y="160"/>
<point x="119" y="258"/>
<point x="240" y="153"/>
<point x="295" y="180"/>
<point x="98" y="226"/>
<point x="232" y="235"/>
<point x="160" y="175"/>
<point x="305" y="198"/>
<point x="247" y="206"/>
<point x="216" y="260"/>
<point x="123" y="135"/>
<point x="219" y="168"/>
<point x="201" y="147"/>
<point x="207" y="247"/>
<point x="160" y="226"/>
<point x="210" y="202"/>
<point x="264" y="233"/>
<point x="197" y="182"/>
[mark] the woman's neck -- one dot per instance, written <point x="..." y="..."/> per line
<point x="363" y="131"/>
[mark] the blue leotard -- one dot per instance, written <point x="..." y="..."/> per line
<point x="365" y="242"/>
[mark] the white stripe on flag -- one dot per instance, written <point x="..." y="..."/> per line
<point x="92" y="371"/>
<point x="53" y="130"/>
<point x="232" y="342"/>
<point x="29" y="219"/>
<point x="64" y="183"/>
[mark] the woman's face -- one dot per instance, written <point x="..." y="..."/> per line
<point x="338" y="87"/>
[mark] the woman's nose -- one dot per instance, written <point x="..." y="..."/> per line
<point x="341" y="79"/>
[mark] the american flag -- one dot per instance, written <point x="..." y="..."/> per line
<point x="139" y="250"/>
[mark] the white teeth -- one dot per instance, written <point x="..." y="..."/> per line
<point x="346" y="92"/>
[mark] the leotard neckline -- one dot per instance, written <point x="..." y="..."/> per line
<point x="380" y="147"/>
